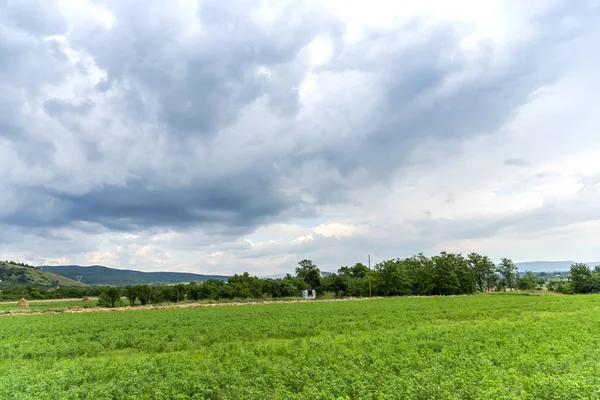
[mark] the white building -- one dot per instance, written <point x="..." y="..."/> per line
<point x="309" y="294"/>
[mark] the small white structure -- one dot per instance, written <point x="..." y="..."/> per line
<point x="309" y="294"/>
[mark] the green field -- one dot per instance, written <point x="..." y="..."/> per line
<point x="488" y="346"/>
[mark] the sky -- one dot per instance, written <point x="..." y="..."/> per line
<point x="219" y="136"/>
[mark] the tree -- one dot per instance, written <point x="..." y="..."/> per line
<point x="282" y="287"/>
<point x="337" y="283"/>
<point x="419" y="270"/>
<point x="211" y="289"/>
<point x="179" y="292"/>
<point x="110" y="297"/>
<point x="358" y="270"/>
<point x="466" y="279"/>
<point x="193" y="291"/>
<point x="246" y="286"/>
<point x="445" y="279"/>
<point x="144" y="293"/>
<point x="527" y="281"/>
<point x="482" y="269"/>
<point x="391" y="278"/>
<point x="309" y="273"/>
<point x="131" y="293"/>
<point x="157" y="294"/>
<point x="581" y="278"/>
<point x="508" y="270"/>
<point x="169" y="294"/>
<point x="350" y="281"/>
<point x="492" y="280"/>
<point x="226" y="292"/>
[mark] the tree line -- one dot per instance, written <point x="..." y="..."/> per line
<point x="3" y="263"/>
<point x="442" y="274"/>
<point x="33" y="292"/>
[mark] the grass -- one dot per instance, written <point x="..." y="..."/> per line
<point x="470" y="347"/>
<point x="39" y="277"/>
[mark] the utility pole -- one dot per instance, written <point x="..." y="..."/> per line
<point x="369" y="275"/>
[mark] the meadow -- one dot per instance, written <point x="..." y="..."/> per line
<point x="465" y="347"/>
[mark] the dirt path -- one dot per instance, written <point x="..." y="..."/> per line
<point x="171" y="306"/>
<point x="186" y="305"/>
<point x="50" y="300"/>
<point x="196" y="305"/>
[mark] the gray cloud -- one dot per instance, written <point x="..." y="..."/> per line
<point x="234" y="205"/>
<point x="39" y="17"/>
<point x="517" y="162"/>
<point x="419" y="100"/>
<point x="200" y="82"/>
<point x="176" y="120"/>
<point x="59" y="107"/>
<point x="532" y="222"/>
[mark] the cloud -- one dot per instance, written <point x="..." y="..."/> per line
<point x="217" y="120"/>
<point x="517" y="162"/>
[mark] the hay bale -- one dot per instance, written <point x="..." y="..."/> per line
<point x="22" y="303"/>
<point x="86" y="299"/>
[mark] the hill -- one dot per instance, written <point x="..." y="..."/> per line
<point x="550" y="266"/>
<point x="12" y="274"/>
<point x="100" y="275"/>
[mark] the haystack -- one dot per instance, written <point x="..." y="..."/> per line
<point x="22" y="303"/>
<point x="86" y="299"/>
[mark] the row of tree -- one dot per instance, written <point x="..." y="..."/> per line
<point x="241" y="286"/>
<point x="31" y="292"/>
<point x="442" y="274"/>
<point x="16" y="263"/>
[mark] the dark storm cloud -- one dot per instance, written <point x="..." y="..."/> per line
<point x="181" y="81"/>
<point x="234" y="204"/>
<point x="231" y="206"/>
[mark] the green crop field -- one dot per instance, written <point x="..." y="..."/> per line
<point x="473" y="347"/>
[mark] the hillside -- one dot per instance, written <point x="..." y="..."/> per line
<point x="99" y="275"/>
<point x="11" y="274"/>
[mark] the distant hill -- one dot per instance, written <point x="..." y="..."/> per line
<point x="12" y="274"/>
<point x="551" y="266"/>
<point x="99" y="275"/>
